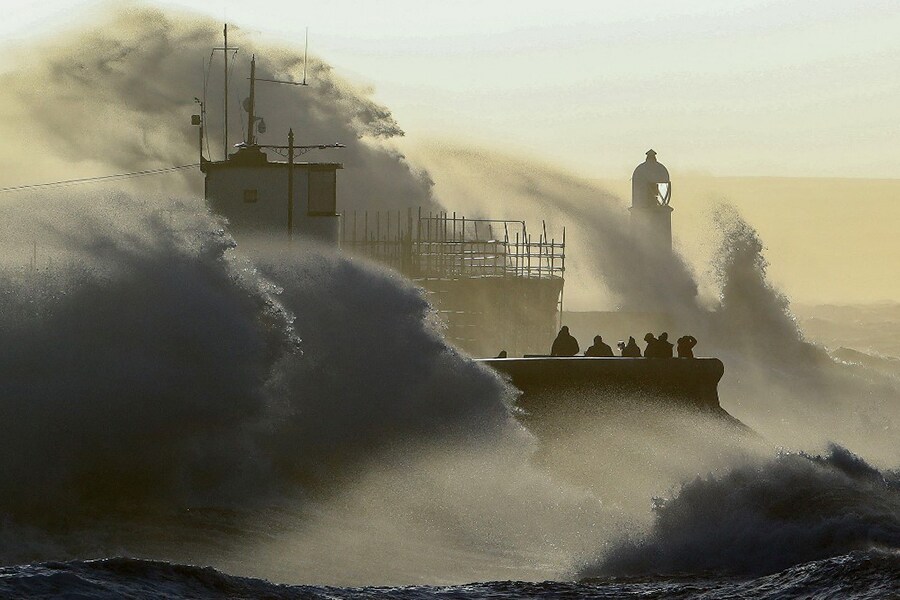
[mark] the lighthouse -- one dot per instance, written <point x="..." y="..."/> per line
<point x="651" y="215"/>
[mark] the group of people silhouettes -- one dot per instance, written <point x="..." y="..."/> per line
<point x="657" y="347"/>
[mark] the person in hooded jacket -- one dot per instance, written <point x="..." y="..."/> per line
<point x="599" y="348"/>
<point x="652" y="348"/>
<point x="686" y="346"/>
<point x="664" y="346"/>
<point x="564" y="344"/>
<point x="631" y="349"/>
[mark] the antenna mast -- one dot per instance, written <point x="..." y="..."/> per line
<point x="226" y="49"/>
<point x="225" y="53"/>
<point x="250" y="120"/>
<point x="305" y="56"/>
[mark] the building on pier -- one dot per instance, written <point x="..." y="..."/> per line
<point x="493" y="284"/>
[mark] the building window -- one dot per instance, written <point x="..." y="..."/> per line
<point x="251" y="196"/>
<point x="322" y="197"/>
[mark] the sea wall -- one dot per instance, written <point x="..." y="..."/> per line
<point x="547" y="382"/>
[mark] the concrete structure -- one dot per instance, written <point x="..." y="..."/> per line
<point x="560" y="395"/>
<point x="252" y="193"/>
<point x="570" y="384"/>
<point x="556" y="389"/>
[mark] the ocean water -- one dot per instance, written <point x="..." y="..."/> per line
<point x="872" y="574"/>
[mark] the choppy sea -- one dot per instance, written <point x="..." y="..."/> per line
<point x="866" y="574"/>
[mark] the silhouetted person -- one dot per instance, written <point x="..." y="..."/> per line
<point x="564" y="344"/>
<point x="664" y="346"/>
<point x="621" y="346"/>
<point x="652" y="348"/>
<point x="686" y="346"/>
<point x="631" y="350"/>
<point x="502" y="354"/>
<point x="599" y="348"/>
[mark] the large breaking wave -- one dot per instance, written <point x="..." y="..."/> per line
<point x="762" y="518"/>
<point x="147" y="364"/>
<point x="166" y="395"/>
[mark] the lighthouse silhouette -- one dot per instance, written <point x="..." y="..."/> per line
<point x="651" y="215"/>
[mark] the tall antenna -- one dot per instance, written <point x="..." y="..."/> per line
<point x="226" y="50"/>
<point x="225" y="96"/>
<point x="305" y="56"/>
<point x="251" y="138"/>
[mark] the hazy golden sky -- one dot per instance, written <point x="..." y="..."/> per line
<point x="737" y="88"/>
<point x="827" y="240"/>
<point x="741" y="87"/>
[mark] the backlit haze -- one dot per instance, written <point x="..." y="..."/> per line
<point x="787" y="110"/>
<point x="285" y="411"/>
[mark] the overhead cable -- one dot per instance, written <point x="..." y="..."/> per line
<point x="83" y="180"/>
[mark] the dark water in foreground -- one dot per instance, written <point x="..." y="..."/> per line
<point x="865" y="574"/>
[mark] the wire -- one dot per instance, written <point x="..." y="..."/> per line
<point x="117" y="176"/>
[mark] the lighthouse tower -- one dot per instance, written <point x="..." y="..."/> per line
<point x="651" y="215"/>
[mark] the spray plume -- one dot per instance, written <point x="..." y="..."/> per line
<point x="785" y="387"/>
<point x="118" y="97"/>
<point x="764" y="517"/>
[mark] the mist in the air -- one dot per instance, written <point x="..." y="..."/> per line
<point x="169" y="393"/>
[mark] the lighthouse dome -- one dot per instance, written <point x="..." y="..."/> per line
<point x="650" y="183"/>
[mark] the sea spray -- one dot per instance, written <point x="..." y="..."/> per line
<point x="149" y="333"/>
<point x="117" y="96"/>
<point x="790" y="391"/>
<point x="164" y="393"/>
<point x="482" y="183"/>
<point x="764" y="517"/>
<point x="133" y="361"/>
<point x="752" y="316"/>
<point x="375" y="371"/>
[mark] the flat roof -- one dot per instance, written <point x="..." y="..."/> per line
<point x="233" y="163"/>
<point x="253" y="156"/>
<point x="221" y="165"/>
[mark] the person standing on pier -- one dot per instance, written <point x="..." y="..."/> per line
<point x="631" y="349"/>
<point x="564" y="344"/>
<point x="652" y="348"/>
<point x="599" y="349"/>
<point x="664" y="346"/>
<point x="686" y="346"/>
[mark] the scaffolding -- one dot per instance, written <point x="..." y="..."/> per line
<point x="443" y="245"/>
<point x="486" y="277"/>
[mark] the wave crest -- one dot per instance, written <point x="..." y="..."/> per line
<point x="762" y="518"/>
